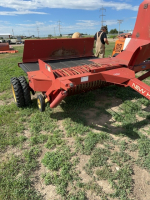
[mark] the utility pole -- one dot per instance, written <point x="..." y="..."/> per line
<point x="54" y="32"/>
<point x="119" y="21"/>
<point x="38" y="31"/>
<point x="102" y="9"/>
<point x="13" y="32"/>
<point x="59" y="26"/>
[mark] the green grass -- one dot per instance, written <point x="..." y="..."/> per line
<point x="78" y="144"/>
<point x="15" y="181"/>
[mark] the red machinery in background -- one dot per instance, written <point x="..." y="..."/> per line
<point x="121" y="43"/>
<point x="4" y="48"/>
<point x="62" y="67"/>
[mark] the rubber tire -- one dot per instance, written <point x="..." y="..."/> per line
<point x="26" y="90"/>
<point x="17" y="89"/>
<point x="41" y="101"/>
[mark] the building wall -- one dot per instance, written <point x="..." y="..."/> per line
<point x="5" y="36"/>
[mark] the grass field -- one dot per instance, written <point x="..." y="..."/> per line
<point x="92" y="146"/>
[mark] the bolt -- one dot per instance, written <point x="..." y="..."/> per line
<point x="71" y="85"/>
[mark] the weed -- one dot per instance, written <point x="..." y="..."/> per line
<point x="90" y="141"/>
<point x="144" y="146"/>
<point x="98" y="158"/>
<point x="95" y="188"/>
<point x="40" y="121"/>
<point x="133" y="147"/>
<point x="54" y="140"/>
<point x="73" y="128"/>
<point x="15" y="181"/>
<point x="79" y="196"/>
<point x="123" y="186"/>
<point x="30" y="158"/>
<point x="123" y="145"/>
<point x="36" y="139"/>
<point x="120" y="158"/>
<point x="104" y="173"/>
<point x="61" y="170"/>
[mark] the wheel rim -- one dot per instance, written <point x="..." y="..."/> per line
<point x="13" y="92"/>
<point x="39" y="103"/>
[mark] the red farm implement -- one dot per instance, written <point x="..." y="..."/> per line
<point x="61" y="67"/>
<point x="4" y="48"/>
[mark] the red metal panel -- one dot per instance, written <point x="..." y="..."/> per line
<point x="118" y="76"/>
<point x="52" y="49"/>
<point x="46" y="69"/>
<point x="108" y="61"/>
<point x="140" y="87"/>
<point x="39" y="81"/>
<point x="138" y="48"/>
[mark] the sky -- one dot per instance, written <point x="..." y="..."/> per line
<point x="44" y="17"/>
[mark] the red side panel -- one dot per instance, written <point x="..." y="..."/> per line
<point x="142" y="25"/>
<point x="52" y="49"/>
<point x="138" y="48"/>
<point x="140" y="87"/>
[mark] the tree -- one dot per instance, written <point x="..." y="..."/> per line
<point x="113" y="31"/>
<point x="106" y="30"/>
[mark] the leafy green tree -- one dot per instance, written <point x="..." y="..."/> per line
<point x="106" y="29"/>
<point x="113" y="31"/>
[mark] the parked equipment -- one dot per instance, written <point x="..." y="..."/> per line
<point x="4" y="48"/>
<point x="121" y="43"/>
<point x="62" y="67"/>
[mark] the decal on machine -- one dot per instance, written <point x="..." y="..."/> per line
<point x="83" y="79"/>
<point x="141" y="90"/>
<point x="138" y="88"/>
<point x="116" y="74"/>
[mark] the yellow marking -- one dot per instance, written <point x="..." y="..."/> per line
<point x="90" y="66"/>
<point x="65" y="72"/>
<point x="13" y="93"/>
<point x="75" y="71"/>
<point x="39" y="103"/>
<point x="85" y="69"/>
<point x="46" y="100"/>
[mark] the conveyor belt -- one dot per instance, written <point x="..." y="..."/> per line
<point x="57" y="64"/>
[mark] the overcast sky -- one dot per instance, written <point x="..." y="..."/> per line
<point x="33" y="17"/>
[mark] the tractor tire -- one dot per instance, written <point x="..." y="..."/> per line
<point x="41" y="103"/>
<point x="17" y="92"/>
<point x="26" y="90"/>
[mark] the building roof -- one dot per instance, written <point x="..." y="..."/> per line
<point x="5" y="34"/>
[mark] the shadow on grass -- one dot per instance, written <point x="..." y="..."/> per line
<point x="82" y="109"/>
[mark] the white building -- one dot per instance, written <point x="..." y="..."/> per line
<point x="5" y="35"/>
